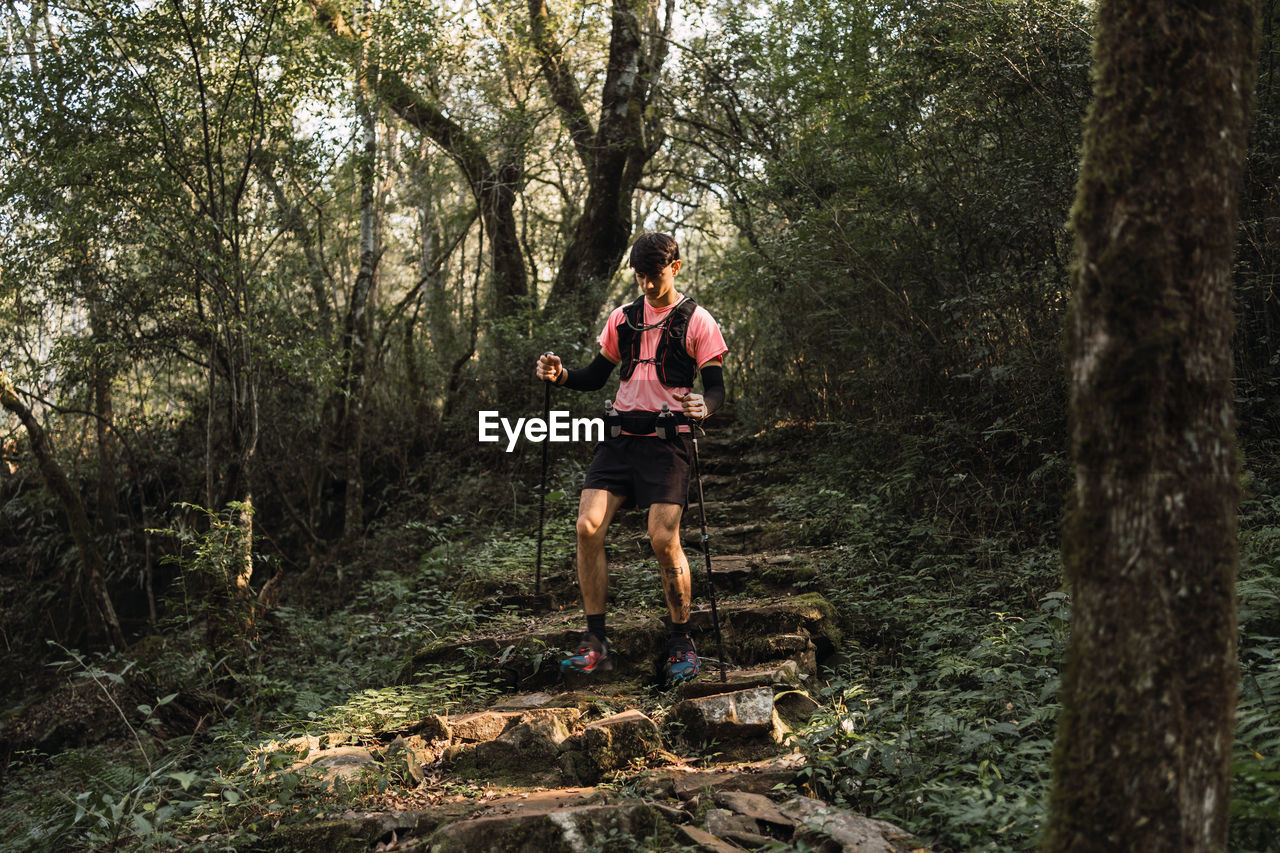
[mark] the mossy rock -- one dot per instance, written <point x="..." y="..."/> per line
<point x="787" y="575"/>
<point x="581" y="828"/>
<point x="794" y="647"/>
<point x="809" y="612"/>
<point x="635" y="642"/>
<point x="826" y="632"/>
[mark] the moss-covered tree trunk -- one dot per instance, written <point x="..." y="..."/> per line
<point x="1149" y="685"/>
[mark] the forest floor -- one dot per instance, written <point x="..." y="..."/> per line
<point x="881" y="680"/>
<point x="617" y="760"/>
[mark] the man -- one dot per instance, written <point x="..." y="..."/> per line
<point x="661" y="340"/>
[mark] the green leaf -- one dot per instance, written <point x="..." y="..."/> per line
<point x="183" y="778"/>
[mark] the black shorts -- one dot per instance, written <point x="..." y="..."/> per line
<point x="645" y="469"/>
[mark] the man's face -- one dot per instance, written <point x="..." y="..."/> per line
<point x="657" y="287"/>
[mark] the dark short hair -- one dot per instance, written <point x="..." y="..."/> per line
<point x="653" y="251"/>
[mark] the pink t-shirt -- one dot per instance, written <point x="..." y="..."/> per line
<point x="643" y="392"/>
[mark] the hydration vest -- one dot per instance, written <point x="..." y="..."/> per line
<point x="674" y="365"/>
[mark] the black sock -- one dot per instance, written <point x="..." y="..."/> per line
<point x="679" y="635"/>
<point x="595" y="625"/>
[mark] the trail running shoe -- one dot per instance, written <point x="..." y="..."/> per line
<point x="682" y="663"/>
<point x="592" y="656"/>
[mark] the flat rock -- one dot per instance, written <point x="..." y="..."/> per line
<point x="634" y="643"/>
<point x="411" y="754"/>
<point x="744" y="713"/>
<point x="304" y="743"/>
<point x="741" y="529"/>
<point x="707" y="841"/>
<point x="523" y="702"/>
<point x="481" y="726"/>
<point x="786" y="673"/>
<point x="725" y="824"/>
<point x="578" y="830"/>
<point x="566" y="717"/>
<point x="432" y="727"/>
<point x="609" y="744"/>
<point x="819" y="824"/>
<point x="755" y="806"/>
<point x="341" y="762"/>
<point x="728" y="512"/>
<point x="729" y="573"/>
<point x="759" y="777"/>
<point x="796" y="627"/>
<point x="534" y="729"/>
<point x="787" y="615"/>
<point x="486" y="726"/>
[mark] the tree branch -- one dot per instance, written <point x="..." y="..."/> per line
<point x="561" y="82"/>
<point x="77" y="519"/>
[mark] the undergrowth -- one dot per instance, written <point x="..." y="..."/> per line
<point x="309" y="672"/>
<point x="938" y="714"/>
<point x="1255" y="800"/>
<point x="941" y="715"/>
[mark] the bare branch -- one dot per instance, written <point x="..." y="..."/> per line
<point x="561" y="82"/>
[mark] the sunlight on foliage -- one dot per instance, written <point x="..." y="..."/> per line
<point x="443" y="690"/>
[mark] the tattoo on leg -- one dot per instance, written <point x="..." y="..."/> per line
<point x="680" y="603"/>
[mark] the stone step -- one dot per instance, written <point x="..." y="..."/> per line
<point x="713" y="807"/>
<point x="575" y="828"/>
<point x="749" y="539"/>
<point x="545" y="747"/>
<point x="779" y="676"/>
<point x="731" y="463"/>
<point x="732" y="807"/>
<point x="731" y="716"/>
<point x="730" y="482"/>
<point x="721" y="512"/>
<point x="763" y="573"/>
<point x="794" y="627"/>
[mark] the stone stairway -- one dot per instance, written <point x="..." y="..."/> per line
<point x="618" y="761"/>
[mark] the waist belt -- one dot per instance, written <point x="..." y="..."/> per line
<point x="643" y="423"/>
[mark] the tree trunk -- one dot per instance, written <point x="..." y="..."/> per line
<point x="310" y="241"/>
<point x="95" y="592"/>
<point x="1149" y="547"/>
<point x="493" y="186"/>
<point x="104" y="371"/>
<point x="242" y="417"/>
<point x="614" y="154"/>
<point x="356" y="334"/>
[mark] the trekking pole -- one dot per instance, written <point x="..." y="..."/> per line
<point x="542" y="491"/>
<point x="706" y="555"/>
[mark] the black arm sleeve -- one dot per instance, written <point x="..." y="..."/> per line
<point x="589" y="378"/>
<point x="713" y="387"/>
